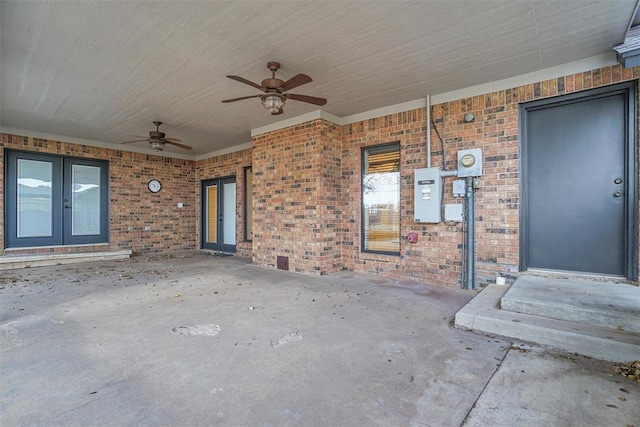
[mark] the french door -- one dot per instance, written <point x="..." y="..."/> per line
<point x="53" y="200"/>
<point x="219" y="214"/>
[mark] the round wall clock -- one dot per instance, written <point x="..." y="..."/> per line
<point x="154" y="186"/>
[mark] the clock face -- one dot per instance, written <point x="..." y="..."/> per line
<point x="154" y="185"/>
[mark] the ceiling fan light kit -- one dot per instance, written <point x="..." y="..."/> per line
<point x="273" y="102"/>
<point x="276" y="90"/>
<point x="157" y="145"/>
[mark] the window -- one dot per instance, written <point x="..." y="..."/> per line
<point x="53" y="200"/>
<point x="381" y="199"/>
<point x="248" y="203"/>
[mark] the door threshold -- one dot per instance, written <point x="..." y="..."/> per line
<point x="212" y="252"/>
<point x="40" y="260"/>
<point x="576" y="275"/>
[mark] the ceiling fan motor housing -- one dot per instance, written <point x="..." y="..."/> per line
<point x="154" y="134"/>
<point x="272" y="83"/>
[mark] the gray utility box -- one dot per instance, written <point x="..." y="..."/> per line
<point x="454" y="212"/>
<point x="470" y="162"/>
<point x="427" y="195"/>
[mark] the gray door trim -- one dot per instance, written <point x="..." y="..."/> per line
<point x="629" y="89"/>
<point x="219" y="245"/>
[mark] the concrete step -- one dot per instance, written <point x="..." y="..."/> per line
<point x="611" y="305"/>
<point x="38" y="260"/>
<point x="483" y="314"/>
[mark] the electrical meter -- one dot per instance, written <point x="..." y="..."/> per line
<point x="470" y="162"/>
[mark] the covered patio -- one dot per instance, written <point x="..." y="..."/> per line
<point x="192" y="338"/>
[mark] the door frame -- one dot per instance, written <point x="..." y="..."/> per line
<point x="61" y="234"/>
<point x="68" y="237"/>
<point x="219" y="182"/>
<point x="630" y="91"/>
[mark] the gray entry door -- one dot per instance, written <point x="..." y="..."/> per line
<point x="576" y="189"/>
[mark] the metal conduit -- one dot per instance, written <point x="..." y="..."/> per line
<point x="471" y="244"/>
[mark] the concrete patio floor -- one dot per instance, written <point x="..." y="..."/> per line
<point x="191" y="340"/>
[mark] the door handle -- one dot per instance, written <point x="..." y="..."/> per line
<point x="618" y="194"/>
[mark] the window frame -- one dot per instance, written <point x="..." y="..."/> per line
<point x="363" y="153"/>
<point x="248" y="204"/>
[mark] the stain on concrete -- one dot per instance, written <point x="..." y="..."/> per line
<point x="208" y="330"/>
<point x="287" y="339"/>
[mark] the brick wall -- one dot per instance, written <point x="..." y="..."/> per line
<point x="307" y="188"/>
<point x="226" y="165"/>
<point x="132" y="206"/>
<point x="297" y="197"/>
<point x="436" y="258"/>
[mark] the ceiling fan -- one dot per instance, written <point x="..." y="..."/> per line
<point x="275" y="90"/>
<point x="157" y="140"/>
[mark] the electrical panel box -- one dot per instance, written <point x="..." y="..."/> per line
<point x="459" y="188"/>
<point x="470" y="162"/>
<point x="427" y="195"/>
<point x="454" y="212"/>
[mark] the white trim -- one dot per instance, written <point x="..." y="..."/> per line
<point x="325" y="115"/>
<point x="588" y="64"/>
<point x="224" y="151"/>
<point x="293" y="121"/>
<point x="91" y="142"/>
<point x="385" y="111"/>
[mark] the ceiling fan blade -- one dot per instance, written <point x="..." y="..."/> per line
<point x="129" y="142"/>
<point x="173" y="139"/>
<point x="306" y="98"/>
<point x="241" y="98"/>
<point x="247" y="82"/>
<point x="295" y="81"/>
<point x="177" y="144"/>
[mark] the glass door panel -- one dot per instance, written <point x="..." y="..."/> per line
<point x="229" y="213"/>
<point x="34" y="198"/>
<point x="85" y="200"/>
<point x="33" y="209"/>
<point x="212" y="214"/>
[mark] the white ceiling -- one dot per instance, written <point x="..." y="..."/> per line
<point x="104" y="70"/>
